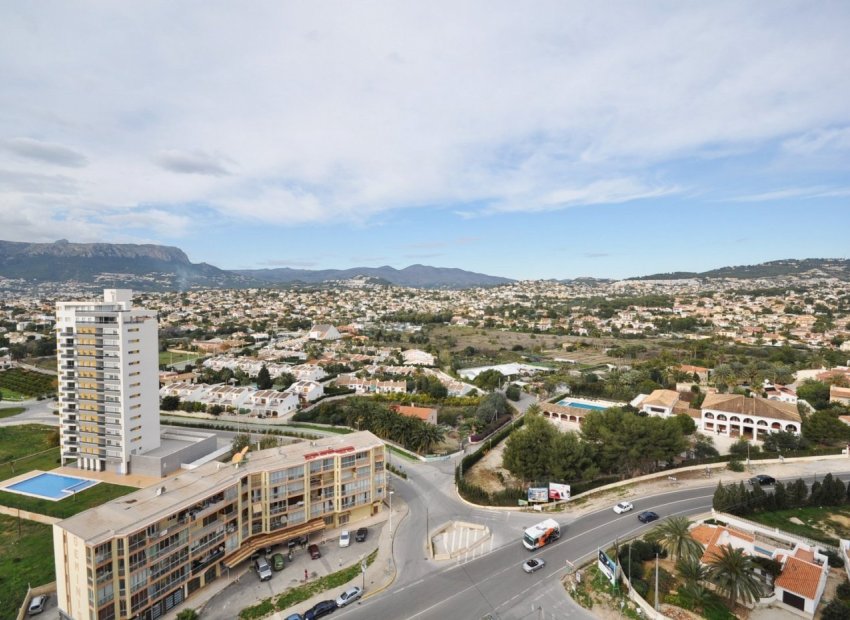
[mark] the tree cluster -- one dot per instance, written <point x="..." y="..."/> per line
<point x="367" y="414"/>
<point x="741" y="500"/>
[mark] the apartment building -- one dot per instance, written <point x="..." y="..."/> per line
<point x="143" y="554"/>
<point x="107" y="354"/>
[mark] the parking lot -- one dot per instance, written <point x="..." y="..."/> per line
<point x="247" y="589"/>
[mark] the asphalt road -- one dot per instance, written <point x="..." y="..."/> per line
<point x="495" y="583"/>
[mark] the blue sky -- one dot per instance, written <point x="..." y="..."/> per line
<point x="568" y="140"/>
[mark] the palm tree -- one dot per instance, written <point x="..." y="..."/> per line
<point x="733" y="572"/>
<point x="697" y="595"/>
<point x="674" y="535"/>
<point x="692" y="570"/>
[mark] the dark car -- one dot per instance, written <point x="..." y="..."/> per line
<point x="322" y="608"/>
<point x="647" y="516"/>
<point x="762" y="480"/>
<point x="294" y="617"/>
<point x="361" y="534"/>
<point x="315" y="554"/>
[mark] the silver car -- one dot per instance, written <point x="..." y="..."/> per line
<point x="534" y="564"/>
<point x="352" y="594"/>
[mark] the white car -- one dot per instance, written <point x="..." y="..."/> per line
<point x="345" y="538"/>
<point x="532" y="565"/>
<point x="37" y="605"/>
<point x="352" y="594"/>
<point x="623" y="507"/>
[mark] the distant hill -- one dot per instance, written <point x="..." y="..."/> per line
<point x="159" y="267"/>
<point x="144" y="267"/>
<point x="416" y="276"/>
<point x="803" y="268"/>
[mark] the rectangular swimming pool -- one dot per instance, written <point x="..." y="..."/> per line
<point x="53" y="487"/>
<point x="573" y="403"/>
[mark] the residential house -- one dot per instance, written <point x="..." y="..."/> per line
<point x="415" y="357"/>
<point x="735" y="415"/>
<point x="307" y="391"/>
<point x="840" y="395"/>
<point x="324" y="332"/>
<point x="426" y="414"/>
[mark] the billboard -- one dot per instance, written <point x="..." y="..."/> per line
<point x="607" y="566"/>
<point x="558" y="491"/>
<point x="538" y="494"/>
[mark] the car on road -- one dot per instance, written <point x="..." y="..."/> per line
<point x="37" y="604"/>
<point x="349" y="596"/>
<point x="361" y="534"/>
<point x="762" y="480"/>
<point x="344" y="538"/>
<point x="264" y="571"/>
<point x="534" y="564"/>
<point x="322" y="608"/>
<point x="647" y="516"/>
<point x="623" y="507"/>
<point x="278" y="561"/>
<point x="313" y="549"/>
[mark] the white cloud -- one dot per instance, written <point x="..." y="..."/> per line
<point x="344" y="111"/>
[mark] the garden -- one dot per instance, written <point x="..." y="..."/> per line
<point x="27" y="559"/>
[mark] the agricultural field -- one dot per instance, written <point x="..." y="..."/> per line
<point x="27" y="558"/>
<point x="18" y="383"/>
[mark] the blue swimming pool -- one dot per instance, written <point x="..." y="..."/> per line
<point x="50" y="486"/>
<point x="573" y="403"/>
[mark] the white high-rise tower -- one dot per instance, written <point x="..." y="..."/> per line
<point x="108" y="381"/>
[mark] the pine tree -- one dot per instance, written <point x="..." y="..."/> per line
<point x="720" y="502"/>
<point x="264" y="379"/>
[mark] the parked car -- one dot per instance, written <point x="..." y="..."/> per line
<point x="623" y="507"/>
<point x="529" y="566"/>
<point x="322" y="608"/>
<point x="762" y="480"/>
<point x="294" y="617"/>
<point x="298" y="541"/>
<point x="361" y="534"/>
<point x="647" y="516"/>
<point x="344" y="538"/>
<point x="278" y="561"/>
<point x="264" y="571"/>
<point x="37" y="604"/>
<point x="349" y="596"/>
<point x="315" y="554"/>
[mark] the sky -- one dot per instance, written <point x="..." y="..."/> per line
<point x="527" y="140"/>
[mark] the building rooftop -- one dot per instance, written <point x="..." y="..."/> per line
<point x="131" y="512"/>
<point x="761" y="407"/>
<point x="662" y="398"/>
<point x="800" y="577"/>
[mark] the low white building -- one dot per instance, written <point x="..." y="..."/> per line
<point x="734" y="415"/>
<point x="324" y="332"/>
<point x="307" y="391"/>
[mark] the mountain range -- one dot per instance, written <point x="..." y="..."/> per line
<point x="159" y="267"/>
<point x="802" y="268"/>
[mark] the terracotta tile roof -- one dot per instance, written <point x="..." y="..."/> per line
<point x="800" y="577"/>
<point x="423" y="413"/>
<point x="761" y="407"/>
<point x="703" y="533"/>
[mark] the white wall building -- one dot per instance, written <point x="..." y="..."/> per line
<point x="107" y="354"/>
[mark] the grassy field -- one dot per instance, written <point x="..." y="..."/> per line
<point x="7" y="394"/>
<point x="167" y="357"/>
<point x="29" y="447"/>
<point x="47" y="363"/>
<point x="8" y="412"/>
<point x="826" y="524"/>
<point x="91" y="497"/>
<point x="26" y="559"/>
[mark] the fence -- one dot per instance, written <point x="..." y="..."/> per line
<point x="49" y="588"/>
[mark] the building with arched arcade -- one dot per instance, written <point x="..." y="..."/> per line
<point x="734" y="415"/>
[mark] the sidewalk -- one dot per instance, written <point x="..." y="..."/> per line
<point x="227" y="596"/>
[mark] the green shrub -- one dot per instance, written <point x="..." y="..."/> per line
<point x="735" y="466"/>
